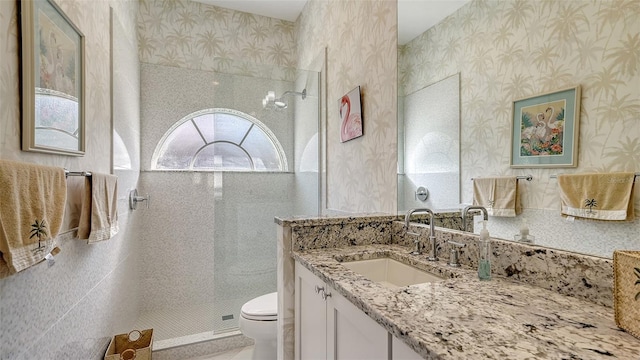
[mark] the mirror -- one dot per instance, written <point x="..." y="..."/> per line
<point x="483" y="42"/>
<point x="429" y="168"/>
<point x="52" y="80"/>
<point x="428" y="114"/>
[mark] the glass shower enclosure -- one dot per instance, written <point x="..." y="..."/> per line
<point x="208" y="241"/>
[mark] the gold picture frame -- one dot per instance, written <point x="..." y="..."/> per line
<point x="53" y="76"/>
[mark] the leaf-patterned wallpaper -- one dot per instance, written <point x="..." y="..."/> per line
<point x="361" y="41"/>
<point x="189" y="34"/>
<point x="510" y="49"/>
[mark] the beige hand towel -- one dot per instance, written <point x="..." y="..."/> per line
<point x="99" y="213"/>
<point x="498" y="194"/>
<point x="602" y="196"/>
<point x="32" y="200"/>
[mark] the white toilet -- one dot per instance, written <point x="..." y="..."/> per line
<point x="258" y="320"/>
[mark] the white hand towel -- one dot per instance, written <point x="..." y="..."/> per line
<point x="99" y="214"/>
<point x="498" y="194"/>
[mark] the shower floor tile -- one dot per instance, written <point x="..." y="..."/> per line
<point x="173" y="323"/>
<point x="194" y="319"/>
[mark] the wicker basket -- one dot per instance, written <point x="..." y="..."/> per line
<point x="626" y="290"/>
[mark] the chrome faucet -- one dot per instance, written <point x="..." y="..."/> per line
<point x="433" y="256"/>
<point x="407" y="220"/>
<point x="465" y="214"/>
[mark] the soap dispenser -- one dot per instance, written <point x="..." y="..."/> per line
<point x="524" y="233"/>
<point x="484" y="258"/>
<point x="524" y="229"/>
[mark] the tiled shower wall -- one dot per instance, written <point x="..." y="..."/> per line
<point x="210" y="231"/>
<point x="71" y="310"/>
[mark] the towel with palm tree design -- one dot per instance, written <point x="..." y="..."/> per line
<point x="32" y="204"/>
<point x="602" y="196"/>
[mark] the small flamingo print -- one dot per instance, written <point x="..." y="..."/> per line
<point x="351" y="115"/>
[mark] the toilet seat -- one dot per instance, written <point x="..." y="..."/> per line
<point x="262" y="308"/>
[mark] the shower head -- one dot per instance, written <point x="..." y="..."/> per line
<point x="271" y="102"/>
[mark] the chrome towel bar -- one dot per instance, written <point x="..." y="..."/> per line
<point x="68" y="173"/>
<point x="521" y="177"/>
<point x="555" y="176"/>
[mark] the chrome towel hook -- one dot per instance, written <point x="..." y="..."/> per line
<point x="134" y="199"/>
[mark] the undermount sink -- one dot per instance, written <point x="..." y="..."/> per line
<point x="391" y="273"/>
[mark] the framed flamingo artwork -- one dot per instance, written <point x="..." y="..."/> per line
<point x="544" y="131"/>
<point x="351" y="115"/>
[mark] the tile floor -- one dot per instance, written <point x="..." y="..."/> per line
<point x="194" y="319"/>
<point x="244" y="353"/>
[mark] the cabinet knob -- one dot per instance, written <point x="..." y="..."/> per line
<point x="319" y="288"/>
<point x="325" y="295"/>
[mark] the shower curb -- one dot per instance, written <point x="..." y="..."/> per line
<point x="199" y="345"/>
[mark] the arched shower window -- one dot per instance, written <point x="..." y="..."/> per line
<point x="219" y="140"/>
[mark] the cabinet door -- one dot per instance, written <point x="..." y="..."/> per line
<point x="401" y="351"/>
<point x="310" y="317"/>
<point x="351" y="334"/>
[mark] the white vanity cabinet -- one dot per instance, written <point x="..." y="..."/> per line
<point x="328" y="326"/>
<point x="310" y="316"/>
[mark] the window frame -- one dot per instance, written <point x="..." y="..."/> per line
<point x="282" y="157"/>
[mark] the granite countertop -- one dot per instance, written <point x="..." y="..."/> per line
<point x="465" y="318"/>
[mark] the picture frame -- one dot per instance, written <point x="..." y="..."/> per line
<point x="53" y="85"/>
<point x="544" y="130"/>
<point x="350" y="111"/>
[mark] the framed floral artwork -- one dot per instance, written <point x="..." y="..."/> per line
<point x="544" y="131"/>
<point x="351" y="115"/>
